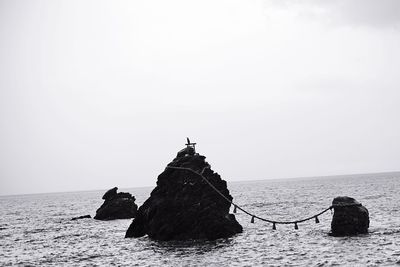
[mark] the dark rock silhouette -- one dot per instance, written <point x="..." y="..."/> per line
<point x="116" y="206"/>
<point x="110" y="193"/>
<point x="189" y="151"/>
<point x="349" y="217"/>
<point x="81" y="217"/>
<point x="183" y="206"/>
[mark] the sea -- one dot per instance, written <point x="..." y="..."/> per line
<point x="37" y="230"/>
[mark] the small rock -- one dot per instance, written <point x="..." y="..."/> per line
<point x="81" y="217"/>
<point x="349" y="217"/>
<point x="116" y="206"/>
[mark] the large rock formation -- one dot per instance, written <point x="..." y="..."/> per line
<point x="349" y="217"/>
<point x="184" y="206"/>
<point x="116" y="206"/>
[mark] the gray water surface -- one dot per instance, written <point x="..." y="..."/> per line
<point x="37" y="229"/>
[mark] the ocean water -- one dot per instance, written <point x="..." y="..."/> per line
<point x="36" y="230"/>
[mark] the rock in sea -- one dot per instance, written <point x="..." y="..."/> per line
<point x="116" y="206"/>
<point x="81" y="217"/>
<point x="183" y="206"/>
<point x="349" y="217"/>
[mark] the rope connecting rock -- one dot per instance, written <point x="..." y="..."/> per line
<point x="253" y="216"/>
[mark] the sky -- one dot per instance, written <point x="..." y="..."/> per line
<point x="97" y="94"/>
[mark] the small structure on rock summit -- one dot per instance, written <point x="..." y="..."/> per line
<point x="189" y="144"/>
<point x="189" y="150"/>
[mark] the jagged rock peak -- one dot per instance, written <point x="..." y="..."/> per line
<point x="183" y="206"/>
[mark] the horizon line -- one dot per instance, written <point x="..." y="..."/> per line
<point x="233" y="181"/>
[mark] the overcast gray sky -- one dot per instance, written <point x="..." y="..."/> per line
<point x="96" y="94"/>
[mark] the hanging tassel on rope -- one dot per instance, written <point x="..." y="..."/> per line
<point x="295" y="226"/>
<point x="316" y="219"/>
<point x="252" y="219"/>
<point x="234" y="209"/>
<point x="273" y="226"/>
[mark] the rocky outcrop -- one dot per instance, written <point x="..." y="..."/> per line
<point x="349" y="217"/>
<point x="183" y="206"/>
<point x="116" y="206"/>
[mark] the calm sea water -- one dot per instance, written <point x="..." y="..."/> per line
<point x="37" y="229"/>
